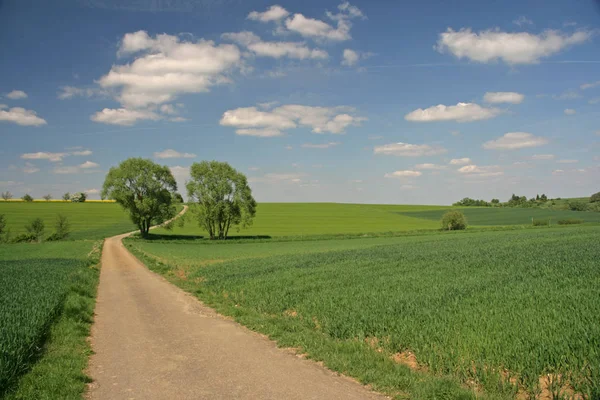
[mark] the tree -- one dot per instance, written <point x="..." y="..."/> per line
<point x="47" y="197"/>
<point x="27" y="198"/>
<point x="79" y="197"/>
<point x="595" y="198"/>
<point x="7" y="195"/>
<point x="495" y="201"/>
<point x="221" y="197"/>
<point x="454" y="220"/>
<point x="144" y="189"/>
<point x="36" y="229"/>
<point x="543" y="197"/>
<point x="66" y="196"/>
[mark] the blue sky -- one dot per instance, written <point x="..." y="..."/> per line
<point x="368" y="101"/>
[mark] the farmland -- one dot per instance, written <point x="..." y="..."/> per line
<point x="88" y="220"/>
<point x="47" y="296"/>
<point x="439" y="315"/>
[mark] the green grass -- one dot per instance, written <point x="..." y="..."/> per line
<point x="47" y="296"/>
<point x="476" y="308"/>
<point x="491" y="216"/>
<point x="88" y="220"/>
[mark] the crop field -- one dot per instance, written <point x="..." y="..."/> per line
<point x="46" y="301"/>
<point x="88" y="220"/>
<point x="488" y="314"/>
<point x="492" y="216"/>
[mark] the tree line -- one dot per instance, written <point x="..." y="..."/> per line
<point x="539" y="200"/>
<point x="78" y="197"/>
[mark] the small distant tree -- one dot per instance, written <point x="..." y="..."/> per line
<point x="47" y="197"/>
<point x="221" y="197"/>
<point x="454" y="220"/>
<point x="7" y="195"/>
<point x="62" y="226"/>
<point x="36" y="229"/>
<point x="495" y="201"/>
<point x="79" y="197"/>
<point x="27" y="198"/>
<point x="143" y="188"/>
<point x="595" y="198"/>
<point x="544" y="198"/>
<point x="66" y="196"/>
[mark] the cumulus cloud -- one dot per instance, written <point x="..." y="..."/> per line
<point x="460" y="161"/>
<point x="503" y="97"/>
<point x="403" y="174"/>
<point x="294" y="50"/>
<point x="69" y="92"/>
<point x="21" y="116"/>
<point x="480" y="171"/>
<point x="352" y="57"/>
<point x="92" y="191"/>
<point x="16" y="95"/>
<point x="30" y="168"/>
<point x="462" y="112"/>
<point x="278" y="178"/>
<point x="570" y="111"/>
<point x="66" y="170"/>
<point x="82" y="153"/>
<point x="429" y="166"/>
<point x="266" y="123"/>
<point x="511" y="48"/>
<point x="514" y="141"/>
<point x="89" y="165"/>
<point x="543" y="157"/>
<point x="320" y="145"/>
<point x="522" y="20"/>
<point x="409" y="150"/>
<point x="170" y="153"/>
<point x="180" y="173"/>
<point x="273" y="13"/>
<point x="166" y="66"/>
<point x="123" y="116"/>
<point x="43" y="155"/>
<point x="590" y="85"/>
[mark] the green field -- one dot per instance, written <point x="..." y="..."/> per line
<point x="483" y="312"/>
<point x="47" y="295"/>
<point x="88" y="220"/>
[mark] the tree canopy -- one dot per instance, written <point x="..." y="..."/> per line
<point x="144" y="189"/>
<point x="221" y="198"/>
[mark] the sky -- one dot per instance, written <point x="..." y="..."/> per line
<point x="380" y="101"/>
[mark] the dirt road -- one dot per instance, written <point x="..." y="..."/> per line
<point x="153" y="341"/>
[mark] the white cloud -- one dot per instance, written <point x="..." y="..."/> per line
<point x="294" y="50"/>
<point x="460" y="161"/>
<point x="42" y="155"/>
<point x="253" y="168"/>
<point x="82" y="153"/>
<point x="16" y="95"/>
<point x="570" y="111"/>
<point x="66" y="170"/>
<point x="123" y="116"/>
<point x="429" y="166"/>
<point x="278" y="178"/>
<point x="30" y="168"/>
<point x="168" y="109"/>
<point x="181" y="174"/>
<point x="170" y="153"/>
<point x="515" y="140"/>
<point x="462" y="112"/>
<point x="512" y="48"/>
<point x="320" y="145"/>
<point x="565" y="161"/>
<point x="557" y="171"/>
<point x="254" y="122"/>
<point x="403" y="174"/>
<point x="21" y="116"/>
<point x="319" y="30"/>
<point x="273" y="13"/>
<point x="567" y="95"/>
<point x="350" y="57"/>
<point x="69" y="92"/>
<point x="409" y="150"/>
<point x="407" y="187"/>
<point x="503" y="97"/>
<point x="88" y="165"/>
<point x="595" y="100"/>
<point x="522" y="20"/>
<point x="542" y="157"/>
<point x="480" y="171"/>
<point x="92" y="191"/>
<point x="168" y="67"/>
<point x="590" y="85"/>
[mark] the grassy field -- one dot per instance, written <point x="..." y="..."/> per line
<point x="441" y="315"/>
<point x="47" y="295"/>
<point x="88" y="220"/>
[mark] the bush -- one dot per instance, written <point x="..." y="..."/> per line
<point x="27" y="198"/>
<point x="62" y="226"/>
<point x="24" y="238"/>
<point x="570" y="221"/>
<point x="577" y="206"/>
<point x="540" y="222"/>
<point x="595" y="198"/>
<point x="36" y="229"/>
<point x="454" y="220"/>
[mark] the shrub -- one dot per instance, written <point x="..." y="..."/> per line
<point x="62" y="226"/>
<point x="595" y="198"/>
<point x="27" y="198"/>
<point x="570" y="221"/>
<point x="577" y="206"/>
<point x="540" y="222"/>
<point x="36" y="229"/>
<point x="454" y="220"/>
<point x="24" y="237"/>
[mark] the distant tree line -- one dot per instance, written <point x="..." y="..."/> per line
<point x="538" y="201"/>
<point x="78" y="197"/>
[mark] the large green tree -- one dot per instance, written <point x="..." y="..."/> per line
<point x="221" y="198"/>
<point x="144" y="189"/>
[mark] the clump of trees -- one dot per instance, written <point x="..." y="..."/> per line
<point x="469" y="202"/>
<point x="144" y="189"/>
<point x="220" y="198"/>
<point x="595" y="198"/>
<point x="79" y="197"/>
<point x="454" y="220"/>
